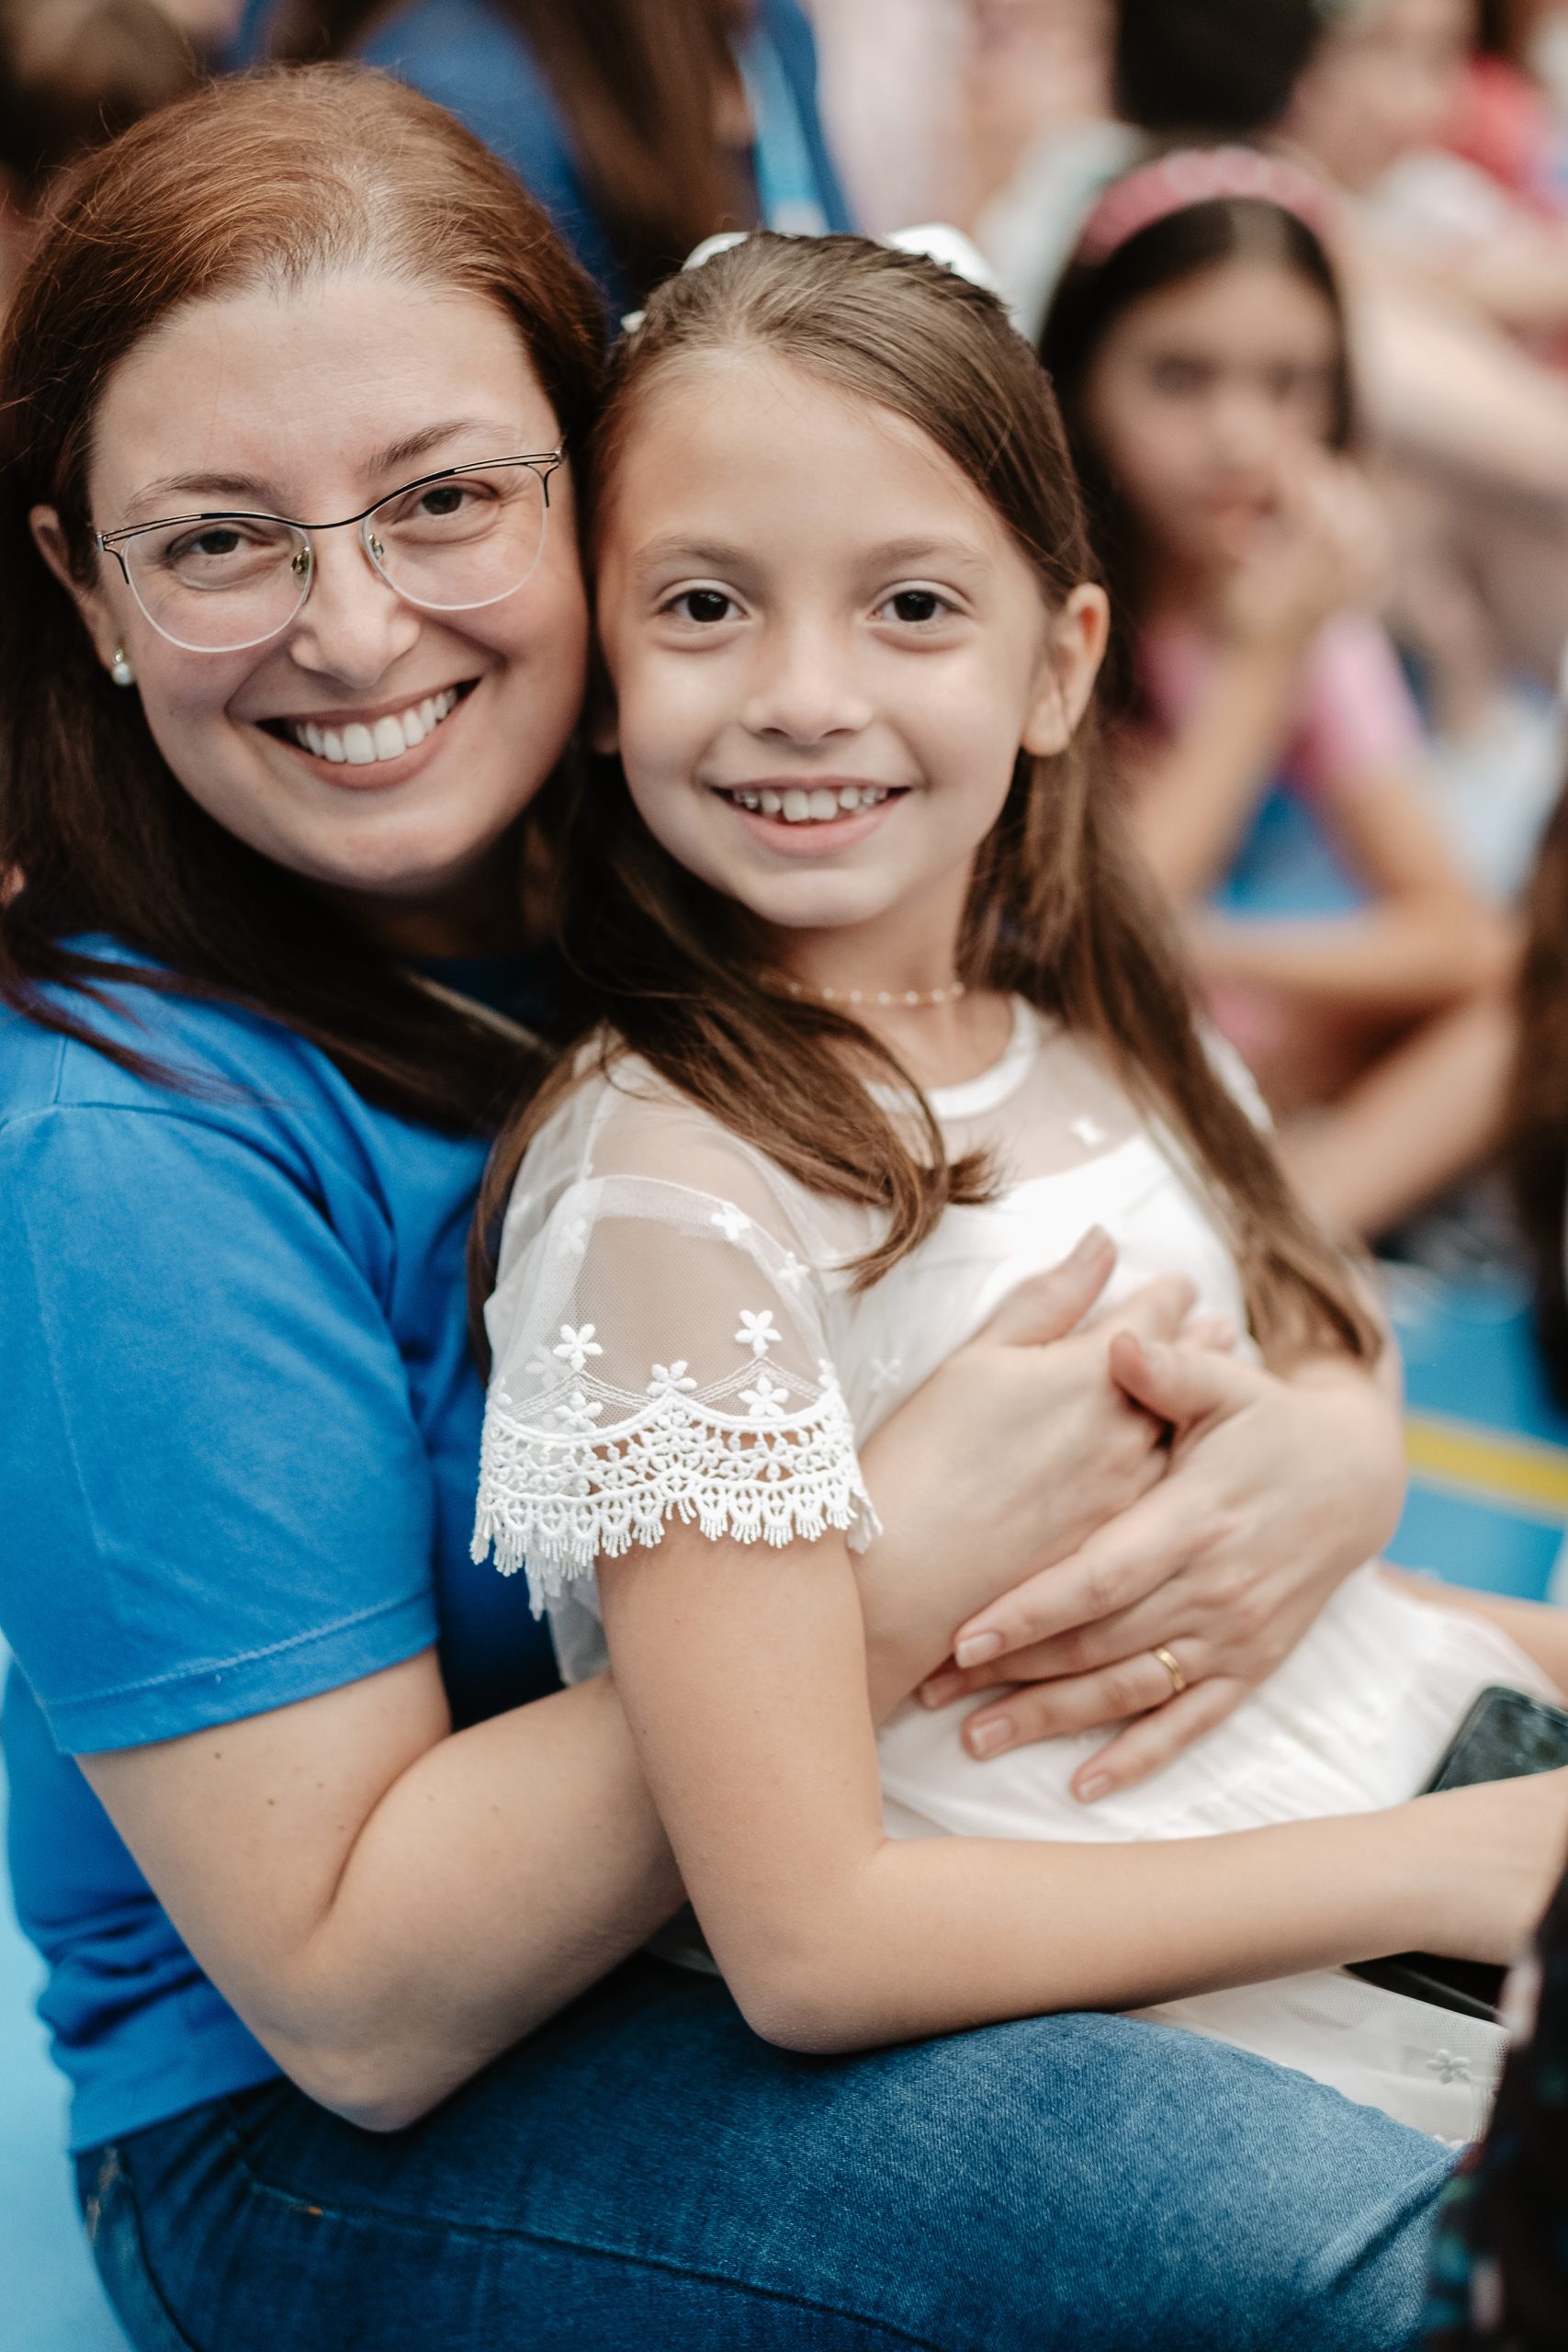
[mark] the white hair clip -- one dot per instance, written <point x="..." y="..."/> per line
<point x="938" y="242"/>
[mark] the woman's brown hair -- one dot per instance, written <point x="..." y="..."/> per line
<point x="269" y="178"/>
<point x="639" y="83"/>
<point x="1537" y="1126"/>
<point x="1059" y="910"/>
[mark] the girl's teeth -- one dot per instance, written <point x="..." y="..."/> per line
<point x="817" y="806"/>
<point x="360" y="746"/>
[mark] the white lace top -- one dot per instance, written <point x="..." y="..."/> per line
<point x="675" y="1330"/>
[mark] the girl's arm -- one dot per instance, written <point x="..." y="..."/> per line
<point x="1193" y="799"/>
<point x="743" y="1675"/>
<point x="1426" y="941"/>
<point x="1319" y="554"/>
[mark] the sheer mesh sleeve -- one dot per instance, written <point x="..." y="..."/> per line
<point x="661" y="1352"/>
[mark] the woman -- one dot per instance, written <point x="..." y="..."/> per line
<point x="642" y="126"/>
<point x="342" y="1897"/>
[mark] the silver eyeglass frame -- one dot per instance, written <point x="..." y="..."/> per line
<point x="543" y="462"/>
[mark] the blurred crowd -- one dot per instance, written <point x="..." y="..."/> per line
<point x="1299" y="270"/>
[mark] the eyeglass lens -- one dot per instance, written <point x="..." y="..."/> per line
<point x="233" y="581"/>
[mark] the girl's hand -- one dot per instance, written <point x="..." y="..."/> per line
<point x="1322" y="549"/>
<point x="1496" y="1853"/>
<point x="1007" y="1459"/>
<point x="1277" y="1487"/>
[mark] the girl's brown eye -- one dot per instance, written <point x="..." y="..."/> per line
<point x="917" y="604"/>
<point x="703" y="604"/>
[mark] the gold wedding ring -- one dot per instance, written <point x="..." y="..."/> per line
<point x="1178" y="1679"/>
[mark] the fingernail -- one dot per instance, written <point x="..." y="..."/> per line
<point x="986" y="1737"/>
<point x="1094" y="1242"/>
<point x="1098" y="1784"/>
<point x="939" y="1689"/>
<point x="978" y="1649"/>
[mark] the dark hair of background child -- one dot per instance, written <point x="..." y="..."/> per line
<point x="1217" y="69"/>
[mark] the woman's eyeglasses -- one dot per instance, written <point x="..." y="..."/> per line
<point x="451" y="542"/>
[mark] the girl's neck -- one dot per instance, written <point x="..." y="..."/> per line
<point x="942" y="1036"/>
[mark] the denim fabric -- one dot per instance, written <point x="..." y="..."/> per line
<point x="644" y="2173"/>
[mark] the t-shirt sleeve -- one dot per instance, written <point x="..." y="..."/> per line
<point x="219" y="1500"/>
<point x="1359" y="719"/>
<point x="661" y="1353"/>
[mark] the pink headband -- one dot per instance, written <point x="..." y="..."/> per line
<point x="1198" y="176"/>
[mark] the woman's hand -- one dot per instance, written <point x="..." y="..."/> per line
<point x="1007" y="1459"/>
<point x="1277" y="1487"/>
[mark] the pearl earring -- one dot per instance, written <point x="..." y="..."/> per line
<point x="121" y="670"/>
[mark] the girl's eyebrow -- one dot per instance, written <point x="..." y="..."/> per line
<point x="889" y="555"/>
<point x="703" y="554"/>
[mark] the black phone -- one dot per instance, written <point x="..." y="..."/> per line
<point x="1504" y="1736"/>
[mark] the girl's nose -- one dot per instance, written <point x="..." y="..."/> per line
<point x="805" y="688"/>
<point x="353" y="627"/>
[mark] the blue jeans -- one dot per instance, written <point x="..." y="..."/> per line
<point x="645" y="2175"/>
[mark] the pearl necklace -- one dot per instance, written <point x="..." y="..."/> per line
<point x="918" y="1000"/>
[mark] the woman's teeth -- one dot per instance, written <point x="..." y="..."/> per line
<point x="817" y="806"/>
<point x="358" y="746"/>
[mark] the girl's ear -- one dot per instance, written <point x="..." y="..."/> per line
<point x="49" y="538"/>
<point x="1074" y="651"/>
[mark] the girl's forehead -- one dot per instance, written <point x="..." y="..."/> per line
<point x="1248" y="299"/>
<point x="750" y="427"/>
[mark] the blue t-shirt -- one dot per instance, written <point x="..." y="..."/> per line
<point x="472" y="56"/>
<point x="240" y="1428"/>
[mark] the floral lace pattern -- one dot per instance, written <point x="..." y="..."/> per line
<point x="740" y="1430"/>
<point x="556" y="1497"/>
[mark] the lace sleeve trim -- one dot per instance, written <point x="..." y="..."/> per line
<point x="556" y="1501"/>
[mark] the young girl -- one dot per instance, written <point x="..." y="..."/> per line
<point x="888" y="1023"/>
<point x="1197" y="345"/>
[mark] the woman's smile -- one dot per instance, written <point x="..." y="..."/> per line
<point x="375" y="749"/>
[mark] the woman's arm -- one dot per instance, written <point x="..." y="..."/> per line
<point x="743" y="1674"/>
<point x="390" y="1903"/>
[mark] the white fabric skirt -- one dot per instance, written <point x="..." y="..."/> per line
<point x="1356" y="1718"/>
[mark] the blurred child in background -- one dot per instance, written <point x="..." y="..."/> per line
<point x="642" y="126"/>
<point x="1198" y="346"/>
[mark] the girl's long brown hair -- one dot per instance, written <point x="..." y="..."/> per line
<point x="1059" y="910"/>
<point x="265" y="179"/>
<point x="639" y="85"/>
<point x="1536" y="1126"/>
